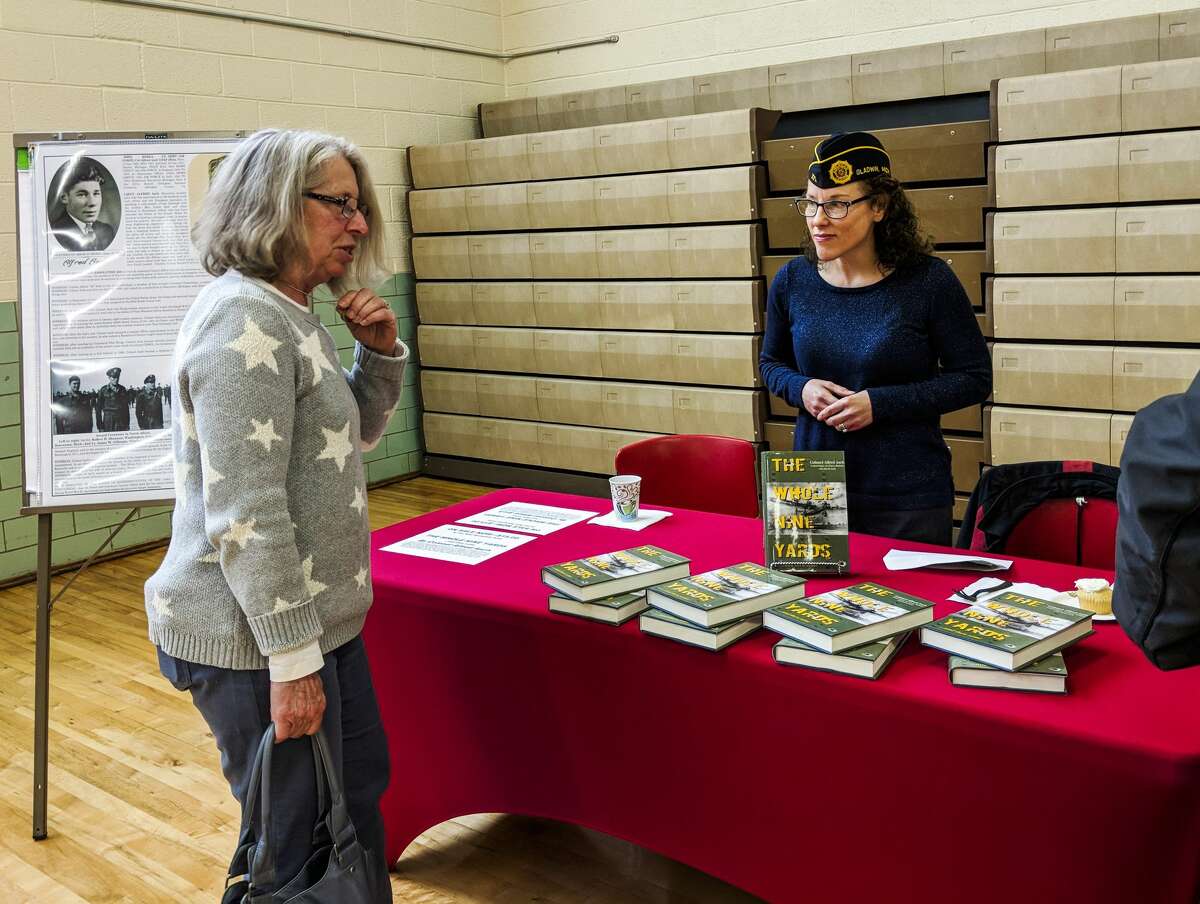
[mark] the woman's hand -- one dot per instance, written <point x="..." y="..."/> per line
<point x="820" y="394"/>
<point x="297" y="707"/>
<point x="853" y="412"/>
<point x="372" y="323"/>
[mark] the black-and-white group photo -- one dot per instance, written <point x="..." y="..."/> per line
<point x="84" y="404"/>
<point x="83" y="205"/>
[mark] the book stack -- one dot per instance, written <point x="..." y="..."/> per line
<point x="1009" y="641"/>
<point x="610" y="587"/>
<point x="856" y="630"/>
<point x="1047" y="675"/>
<point x="714" y="609"/>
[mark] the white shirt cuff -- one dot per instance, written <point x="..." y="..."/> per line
<point x="292" y="664"/>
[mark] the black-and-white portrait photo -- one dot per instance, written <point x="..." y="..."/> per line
<point x="83" y="205"/>
<point x="72" y="408"/>
<point x="118" y="400"/>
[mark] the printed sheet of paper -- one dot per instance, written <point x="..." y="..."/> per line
<point x="458" y="543"/>
<point x="527" y="517"/>
<point x="906" y="560"/>
<point x="108" y="271"/>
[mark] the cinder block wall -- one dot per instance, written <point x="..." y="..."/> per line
<point x="89" y="66"/>
<point x="672" y="38"/>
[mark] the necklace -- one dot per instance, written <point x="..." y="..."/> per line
<point x="307" y="296"/>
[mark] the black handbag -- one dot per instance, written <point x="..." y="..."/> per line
<point x="340" y="869"/>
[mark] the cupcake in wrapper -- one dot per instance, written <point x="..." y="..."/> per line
<point x="1095" y="595"/>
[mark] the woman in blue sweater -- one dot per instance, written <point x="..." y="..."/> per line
<point x="873" y="339"/>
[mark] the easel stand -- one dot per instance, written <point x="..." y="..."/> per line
<point x="41" y="684"/>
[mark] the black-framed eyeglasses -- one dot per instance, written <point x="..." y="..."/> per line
<point x="835" y="210"/>
<point x="347" y="206"/>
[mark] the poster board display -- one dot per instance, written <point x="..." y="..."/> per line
<point x="107" y="272"/>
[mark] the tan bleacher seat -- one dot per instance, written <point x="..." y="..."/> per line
<point x="1053" y="307"/>
<point x="1057" y="173"/>
<point x="900" y="74"/>
<point x="971" y="64"/>
<point x="1091" y="45"/>
<point x="1039" y="434"/>
<point x="1061" y="376"/>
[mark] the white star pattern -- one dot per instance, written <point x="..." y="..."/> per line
<point x="256" y="346"/>
<point x="337" y="446"/>
<point x="187" y="424"/>
<point x="208" y="473"/>
<point x="359" y="503"/>
<point x="312" y="350"/>
<point x="161" y="604"/>
<point x="181" y="473"/>
<point x="282" y="605"/>
<point x="314" y="586"/>
<point x="264" y="433"/>
<point x="240" y="532"/>
<point x="360" y="578"/>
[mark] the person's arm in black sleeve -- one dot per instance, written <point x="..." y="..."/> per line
<point x="777" y="361"/>
<point x="966" y="369"/>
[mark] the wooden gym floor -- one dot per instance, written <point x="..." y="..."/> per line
<point x="139" y="811"/>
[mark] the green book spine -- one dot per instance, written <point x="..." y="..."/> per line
<point x="805" y="517"/>
<point x="593" y="570"/>
<point x="1054" y="664"/>
<point x="723" y="586"/>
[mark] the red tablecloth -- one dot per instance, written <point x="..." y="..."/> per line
<point x="793" y="784"/>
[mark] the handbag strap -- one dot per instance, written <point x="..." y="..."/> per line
<point x="331" y="806"/>
<point x="262" y="863"/>
<point x="341" y="829"/>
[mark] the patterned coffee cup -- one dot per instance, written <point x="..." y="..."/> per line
<point x="626" y="491"/>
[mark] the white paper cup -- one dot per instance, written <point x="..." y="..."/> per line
<point x="626" y="491"/>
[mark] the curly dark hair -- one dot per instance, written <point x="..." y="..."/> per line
<point x="899" y="241"/>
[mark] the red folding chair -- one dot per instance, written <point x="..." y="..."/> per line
<point x="706" y="473"/>
<point x="1056" y="511"/>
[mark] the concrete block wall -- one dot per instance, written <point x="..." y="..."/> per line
<point x="96" y="65"/>
<point x="673" y="39"/>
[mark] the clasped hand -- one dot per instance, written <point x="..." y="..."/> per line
<point x="836" y="406"/>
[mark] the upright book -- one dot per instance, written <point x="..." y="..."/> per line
<point x="725" y="594"/>
<point x="867" y="661"/>
<point x="805" y="519"/>
<point x="612" y="573"/>
<point x="664" y="624"/>
<point x="1048" y="675"/>
<point x="1009" y="631"/>
<point x="840" y="620"/>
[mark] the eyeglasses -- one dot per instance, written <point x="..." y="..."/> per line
<point x="348" y="207"/>
<point x="835" y="210"/>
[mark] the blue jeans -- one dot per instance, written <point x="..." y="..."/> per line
<point x="236" y="705"/>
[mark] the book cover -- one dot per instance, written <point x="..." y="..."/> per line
<point x="805" y="518"/>
<point x="725" y="594"/>
<point x="867" y="661"/>
<point x="611" y="610"/>
<point x="664" y="624"/>
<point x="1048" y="675"/>
<point x="1009" y="630"/>
<point x="610" y="573"/>
<point x="839" y="620"/>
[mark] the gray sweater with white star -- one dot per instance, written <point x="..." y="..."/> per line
<point x="269" y="541"/>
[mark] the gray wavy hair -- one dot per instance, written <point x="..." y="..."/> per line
<point x="253" y="216"/>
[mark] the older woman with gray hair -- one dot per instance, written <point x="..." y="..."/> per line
<point x="258" y="606"/>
